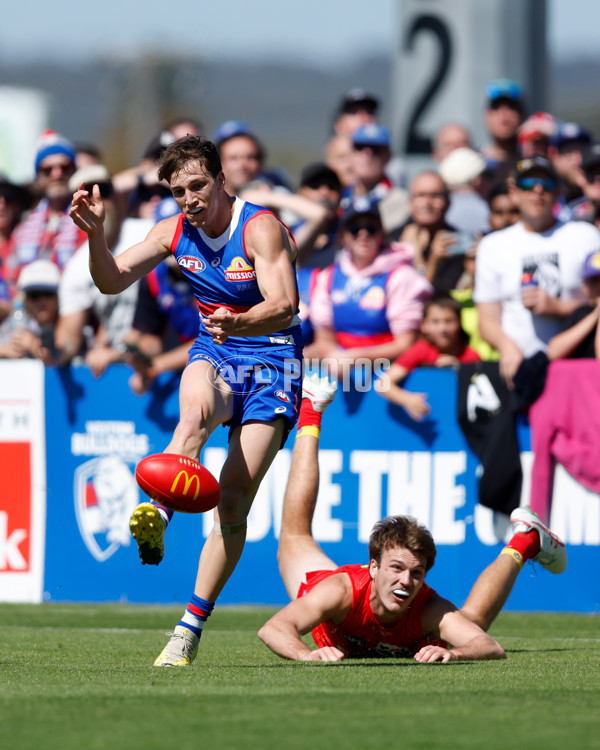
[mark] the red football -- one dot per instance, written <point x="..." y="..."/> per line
<point x="178" y="482"/>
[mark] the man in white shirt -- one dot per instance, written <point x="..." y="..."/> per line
<point x="528" y="276"/>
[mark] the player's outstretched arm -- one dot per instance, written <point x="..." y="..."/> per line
<point x="469" y="642"/>
<point x="112" y="275"/>
<point x="330" y="599"/>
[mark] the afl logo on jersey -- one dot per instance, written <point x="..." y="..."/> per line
<point x="239" y="270"/>
<point x="282" y="396"/>
<point x="195" y="265"/>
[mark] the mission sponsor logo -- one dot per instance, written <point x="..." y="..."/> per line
<point x="239" y="270"/>
<point x="195" y="265"/>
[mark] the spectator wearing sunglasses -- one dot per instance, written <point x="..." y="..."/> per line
<point x="528" y="276"/>
<point x="47" y="231"/>
<point x="369" y="303"/>
<point x="369" y="158"/>
<point x="29" y="332"/>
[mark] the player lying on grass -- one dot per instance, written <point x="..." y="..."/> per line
<point x="384" y="608"/>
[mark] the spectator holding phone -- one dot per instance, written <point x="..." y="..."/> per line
<point x="430" y="234"/>
<point x="443" y="343"/>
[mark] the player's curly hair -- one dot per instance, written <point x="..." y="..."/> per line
<point x="402" y="531"/>
<point x="187" y="149"/>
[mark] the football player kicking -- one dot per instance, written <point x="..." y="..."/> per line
<point x="384" y="608"/>
<point x="244" y="369"/>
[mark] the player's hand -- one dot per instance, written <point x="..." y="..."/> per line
<point x="429" y="654"/>
<point x="416" y="406"/>
<point x="327" y="653"/>
<point x="219" y="324"/>
<point x="87" y="210"/>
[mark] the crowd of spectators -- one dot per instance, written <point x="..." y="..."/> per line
<point x="503" y="234"/>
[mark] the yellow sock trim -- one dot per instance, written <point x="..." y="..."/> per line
<point x="515" y="554"/>
<point x="309" y="429"/>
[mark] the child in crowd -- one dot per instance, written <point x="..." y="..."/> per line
<point x="580" y="338"/>
<point x="443" y="343"/>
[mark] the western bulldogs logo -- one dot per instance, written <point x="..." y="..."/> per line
<point x="195" y="265"/>
<point x="282" y="396"/>
<point x="105" y="495"/>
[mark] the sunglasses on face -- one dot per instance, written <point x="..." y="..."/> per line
<point x="371" y="229"/>
<point x="377" y="150"/>
<point x="530" y="183"/>
<point x="39" y="294"/>
<point x="64" y="168"/>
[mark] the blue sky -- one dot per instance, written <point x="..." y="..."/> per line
<point x="326" y="32"/>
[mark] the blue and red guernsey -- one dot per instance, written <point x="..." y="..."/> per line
<point x="222" y="275"/>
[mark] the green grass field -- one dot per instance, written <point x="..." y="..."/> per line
<point x="81" y="677"/>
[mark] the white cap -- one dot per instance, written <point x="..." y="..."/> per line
<point x="461" y="166"/>
<point x="40" y="274"/>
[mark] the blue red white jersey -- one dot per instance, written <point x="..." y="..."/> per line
<point x="222" y="275"/>
<point x="359" y="305"/>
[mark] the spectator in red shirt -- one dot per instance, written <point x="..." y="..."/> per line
<point x="444" y="343"/>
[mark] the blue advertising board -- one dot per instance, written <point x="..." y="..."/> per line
<point x="374" y="461"/>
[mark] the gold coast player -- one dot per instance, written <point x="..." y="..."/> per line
<point x="384" y="608"/>
<point x="239" y="260"/>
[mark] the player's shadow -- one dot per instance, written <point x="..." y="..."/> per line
<point x="161" y="392"/>
<point x="74" y="392"/>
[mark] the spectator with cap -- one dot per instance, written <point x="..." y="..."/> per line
<point x="47" y="231"/>
<point x="566" y="154"/>
<point x="371" y="152"/>
<point x="536" y="134"/>
<point x="243" y="158"/>
<point x="356" y="109"/>
<point x="504" y="113"/>
<point x="29" y="331"/>
<point x="430" y="234"/>
<point x="528" y="276"/>
<point x="93" y="324"/>
<point x="461" y="170"/>
<point x="580" y="338"/>
<point x="587" y="178"/>
<point x="369" y="303"/>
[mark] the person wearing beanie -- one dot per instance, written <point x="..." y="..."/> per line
<point x="47" y="231"/>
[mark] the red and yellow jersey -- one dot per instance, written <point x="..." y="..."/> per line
<point x="360" y="635"/>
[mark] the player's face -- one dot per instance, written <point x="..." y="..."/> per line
<point x="197" y="195"/>
<point x="396" y="581"/>
<point x="441" y="326"/>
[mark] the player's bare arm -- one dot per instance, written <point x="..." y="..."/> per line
<point x="113" y="275"/>
<point x="331" y="599"/>
<point x="443" y="620"/>
<point x="271" y="250"/>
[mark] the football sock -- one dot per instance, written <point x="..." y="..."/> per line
<point x="309" y="419"/>
<point x="196" y="614"/>
<point x="165" y="513"/>
<point x="523" y="546"/>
